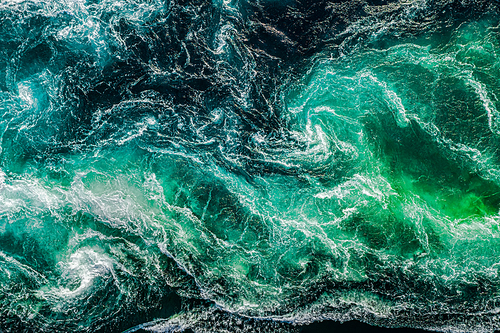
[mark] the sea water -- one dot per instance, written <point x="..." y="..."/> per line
<point x="249" y="166"/>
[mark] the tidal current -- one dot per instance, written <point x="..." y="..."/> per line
<point x="249" y="165"/>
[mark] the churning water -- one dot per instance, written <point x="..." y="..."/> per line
<point x="249" y="165"/>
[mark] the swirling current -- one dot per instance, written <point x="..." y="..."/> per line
<point x="249" y="165"/>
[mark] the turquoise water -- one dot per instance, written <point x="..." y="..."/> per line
<point x="217" y="167"/>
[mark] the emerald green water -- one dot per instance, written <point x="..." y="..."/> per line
<point x="376" y="198"/>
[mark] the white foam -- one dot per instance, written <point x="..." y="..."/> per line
<point x="489" y="106"/>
